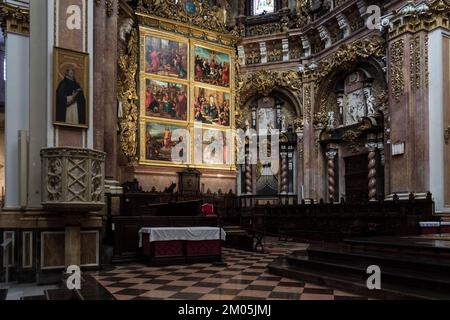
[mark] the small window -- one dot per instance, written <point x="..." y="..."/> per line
<point x="263" y="7"/>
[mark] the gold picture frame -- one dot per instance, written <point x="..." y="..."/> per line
<point x="147" y="152"/>
<point x="71" y="106"/>
<point x="190" y="124"/>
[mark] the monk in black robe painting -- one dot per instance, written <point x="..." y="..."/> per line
<point x="70" y="101"/>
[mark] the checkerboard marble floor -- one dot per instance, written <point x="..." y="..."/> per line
<point x="244" y="278"/>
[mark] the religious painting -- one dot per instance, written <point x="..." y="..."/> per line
<point x="71" y="85"/>
<point x="212" y="67"/>
<point x="212" y="147"/>
<point x="166" y="142"/>
<point x="212" y="106"/>
<point x="263" y="7"/>
<point x="165" y="99"/>
<point x="166" y="57"/>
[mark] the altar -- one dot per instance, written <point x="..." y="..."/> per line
<point x="181" y="244"/>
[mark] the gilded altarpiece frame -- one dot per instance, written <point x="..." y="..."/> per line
<point x="221" y="92"/>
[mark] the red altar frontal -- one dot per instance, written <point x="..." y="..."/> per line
<point x="188" y="244"/>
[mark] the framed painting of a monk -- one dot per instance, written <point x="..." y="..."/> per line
<point x="71" y="88"/>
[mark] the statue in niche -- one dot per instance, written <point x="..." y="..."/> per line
<point x="340" y="103"/>
<point x="125" y="29"/>
<point x="370" y="101"/>
<point x="283" y="123"/>
<point x="331" y="119"/>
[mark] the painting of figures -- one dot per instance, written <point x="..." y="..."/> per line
<point x="212" y="147"/>
<point x="166" y="100"/>
<point x="263" y="6"/>
<point x="166" y="142"/>
<point x="212" y="107"/>
<point x="212" y="67"/>
<point x="166" y="57"/>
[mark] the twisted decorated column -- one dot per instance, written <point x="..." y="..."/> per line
<point x="372" y="165"/>
<point x="284" y="173"/>
<point x="331" y="155"/>
<point x="248" y="175"/>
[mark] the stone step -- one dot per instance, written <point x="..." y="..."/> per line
<point x="389" y="274"/>
<point x="351" y="283"/>
<point x="406" y="262"/>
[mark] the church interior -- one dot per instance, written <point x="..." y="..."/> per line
<point x="225" y="150"/>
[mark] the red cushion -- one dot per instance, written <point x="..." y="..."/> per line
<point x="207" y="209"/>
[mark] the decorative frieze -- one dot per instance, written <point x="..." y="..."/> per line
<point x="397" y="78"/>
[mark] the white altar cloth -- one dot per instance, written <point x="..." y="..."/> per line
<point x="183" y="234"/>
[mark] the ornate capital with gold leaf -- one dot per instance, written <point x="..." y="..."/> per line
<point x="14" y="19"/>
<point x="414" y="17"/>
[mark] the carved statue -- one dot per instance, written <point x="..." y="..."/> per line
<point x="340" y="103"/>
<point x="330" y="119"/>
<point x="370" y="101"/>
<point x="125" y="29"/>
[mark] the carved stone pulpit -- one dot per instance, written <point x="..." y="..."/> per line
<point x="73" y="180"/>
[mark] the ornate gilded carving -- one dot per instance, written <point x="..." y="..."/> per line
<point x="418" y="61"/>
<point x="412" y="17"/>
<point x="397" y="77"/>
<point x="307" y="103"/>
<point x="14" y="19"/>
<point x="263" y="82"/>
<point x="194" y="12"/>
<point x="369" y="47"/>
<point x="127" y="96"/>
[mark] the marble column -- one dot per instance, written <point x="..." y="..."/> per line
<point x="99" y="76"/>
<point x="110" y="107"/>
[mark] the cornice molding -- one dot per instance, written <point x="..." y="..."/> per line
<point x="14" y="19"/>
<point x="415" y="17"/>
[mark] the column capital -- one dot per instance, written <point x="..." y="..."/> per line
<point x="14" y="19"/>
<point x="331" y="154"/>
